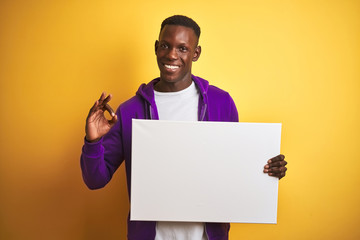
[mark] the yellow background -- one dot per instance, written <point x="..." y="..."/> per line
<point x="295" y="62"/>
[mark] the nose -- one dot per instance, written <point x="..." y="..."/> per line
<point x="172" y="54"/>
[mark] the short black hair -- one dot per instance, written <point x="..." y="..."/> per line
<point x="181" y="20"/>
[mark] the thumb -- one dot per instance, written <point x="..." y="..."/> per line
<point x="113" y="120"/>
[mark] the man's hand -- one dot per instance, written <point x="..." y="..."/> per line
<point x="276" y="166"/>
<point x="96" y="123"/>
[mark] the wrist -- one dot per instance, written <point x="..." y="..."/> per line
<point x="91" y="140"/>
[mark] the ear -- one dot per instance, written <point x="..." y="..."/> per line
<point x="156" y="45"/>
<point x="197" y="53"/>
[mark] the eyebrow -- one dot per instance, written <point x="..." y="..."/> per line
<point x="180" y="44"/>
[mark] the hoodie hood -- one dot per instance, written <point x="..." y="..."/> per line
<point x="146" y="92"/>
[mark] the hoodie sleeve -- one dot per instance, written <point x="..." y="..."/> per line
<point x="101" y="159"/>
<point x="234" y="117"/>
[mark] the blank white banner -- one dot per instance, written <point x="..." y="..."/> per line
<point x="203" y="171"/>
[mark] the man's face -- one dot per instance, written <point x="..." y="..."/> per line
<point x="175" y="51"/>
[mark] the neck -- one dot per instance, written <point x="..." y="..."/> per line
<point x="166" y="86"/>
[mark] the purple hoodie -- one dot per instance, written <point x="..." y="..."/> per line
<point x="100" y="160"/>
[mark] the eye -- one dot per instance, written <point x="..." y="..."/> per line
<point x="164" y="46"/>
<point x="183" y="49"/>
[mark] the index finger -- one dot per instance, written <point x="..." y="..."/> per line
<point x="107" y="99"/>
<point x="278" y="158"/>
<point x="109" y="109"/>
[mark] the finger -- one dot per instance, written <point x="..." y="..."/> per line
<point x="273" y="170"/>
<point x="92" y="109"/>
<point x="277" y="164"/>
<point x="109" y="109"/>
<point x="277" y="170"/>
<point x="277" y="158"/>
<point x="113" y="120"/>
<point x="278" y="175"/>
<point x="102" y="97"/>
<point x="107" y="99"/>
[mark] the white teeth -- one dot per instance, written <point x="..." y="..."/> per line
<point x="171" y="66"/>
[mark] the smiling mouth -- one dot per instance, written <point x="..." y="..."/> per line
<point x="171" y="66"/>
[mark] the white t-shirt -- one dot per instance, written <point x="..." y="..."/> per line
<point x="179" y="106"/>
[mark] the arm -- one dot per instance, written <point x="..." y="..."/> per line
<point x="102" y="151"/>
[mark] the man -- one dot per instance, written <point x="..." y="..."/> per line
<point x="175" y="95"/>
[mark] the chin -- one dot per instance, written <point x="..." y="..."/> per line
<point x="170" y="79"/>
